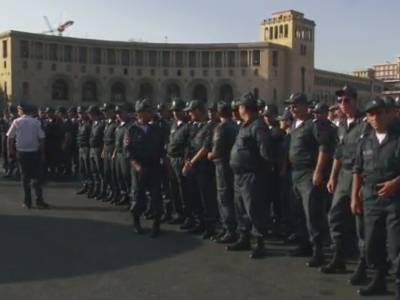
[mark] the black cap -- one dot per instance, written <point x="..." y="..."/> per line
<point x="81" y="109"/>
<point x="49" y="109"/>
<point x="178" y="104"/>
<point x="143" y="105"/>
<point x="397" y="102"/>
<point x="320" y="108"/>
<point x="334" y="107"/>
<point x="223" y="106"/>
<point x="347" y="91"/>
<point x="161" y="107"/>
<point x="286" y="116"/>
<point x="108" y="106"/>
<point x="298" y="98"/>
<point x="212" y="106"/>
<point x="247" y="100"/>
<point x="270" y="110"/>
<point x="390" y="102"/>
<point x="125" y="107"/>
<point x="27" y="107"/>
<point x="195" y="104"/>
<point x="61" y="110"/>
<point x="377" y="103"/>
<point x="94" y="109"/>
<point x="312" y="103"/>
<point x="261" y="104"/>
<point x="234" y="105"/>
<point x="72" y="110"/>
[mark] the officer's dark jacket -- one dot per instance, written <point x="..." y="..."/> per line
<point x="97" y="134"/>
<point x="67" y="127"/>
<point x="253" y="149"/>
<point x="146" y="148"/>
<point x="348" y="138"/>
<point x="202" y="138"/>
<point x="165" y="127"/>
<point x="224" y="137"/>
<point x="178" y="139"/>
<point x="191" y="129"/>
<point x="53" y="131"/>
<point x="4" y="126"/>
<point x="376" y="162"/>
<point x="284" y="151"/>
<point x="109" y="132"/>
<point x="308" y="139"/>
<point x="277" y="136"/>
<point x="120" y="132"/>
<point x="83" y="136"/>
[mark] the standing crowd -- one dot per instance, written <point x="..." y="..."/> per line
<point x="312" y="170"/>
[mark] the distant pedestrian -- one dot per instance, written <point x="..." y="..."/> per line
<point x="28" y="137"/>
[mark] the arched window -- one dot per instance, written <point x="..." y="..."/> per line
<point x="118" y="92"/>
<point x="276" y="32"/>
<point x="89" y="91"/>
<point x="266" y="34"/>
<point x="25" y="88"/>
<point x="286" y="33"/>
<point x="271" y="33"/>
<point x="303" y="79"/>
<point x="281" y="31"/>
<point x="256" y="93"/>
<point x="60" y="90"/>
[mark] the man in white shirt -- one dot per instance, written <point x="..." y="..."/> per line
<point x="27" y="134"/>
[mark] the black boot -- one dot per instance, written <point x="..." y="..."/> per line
<point x="200" y="228"/>
<point x="258" y="250"/>
<point x="109" y="197"/>
<point x="8" y="174"/>
<point x="155" y="228"/>
<point x="336" y="265"/>
<point x="229" y="238"/>
<point x="93" y="194"/>
<point x="360" y="274"/>
<point x="166" y="218"/>
<point x="397" y="289"/>
<point x="242" y="244"/>
<point x="317" y="259"/>
<point x="209" y="233"/>
<point x="292" y="239"/>
<point x="377" y="287"/>
<point x="123" y="201"/>
<point x="137" y="227"/>
<point x="303" y="250"/>
<point x="115" y="199"/>
<point x="102" y="195"/>
<point x="187" y="224"/>
<point x="90" y="190"/>
<point x="83" y="190"/>
<point x="219" y="234"/>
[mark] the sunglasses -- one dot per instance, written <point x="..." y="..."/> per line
<point x="343" y="100"/>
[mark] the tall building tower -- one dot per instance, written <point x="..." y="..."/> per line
<point x="290" y="29"/>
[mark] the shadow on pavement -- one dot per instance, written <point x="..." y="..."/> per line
<point x="88" y="208"/>
<point x="38" y="248"/>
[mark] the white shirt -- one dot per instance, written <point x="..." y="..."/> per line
<point x="27" y="131"/>
<point x="349" y="121"/>
<point x="380" y="137"/>
<point x="298" y="123"/>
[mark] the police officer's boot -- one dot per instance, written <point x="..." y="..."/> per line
<point x="137" y="227"/>
<point x="292" y="239"/>
<point x="317" y="259"/>
<point x="303" y="250"/>
<point x="242" y="244"/>
<point x="259" y="249"/>
<point x="187" y="224"/>
<point x="166" y="217"/>
<point x="123" y="201"/>
<point x="219" y="235"/>
<point x="8" y="174"/>
<point x="336" y="265"/>
<point x="110" y="197"/>
<point x="360" y="274"/>
<point x="377" y="287"/>
<point x="83" y="190"/>
<point x="94" y="194"/>
<point x="90" y="190"/>
<point x="229" y="237"/>
<point x="209" y="232"/>
<point x="155" y="228"/>
<point x="101" y="196"/>
<point x="397" y="289"/>
<point x="200" y="228"/>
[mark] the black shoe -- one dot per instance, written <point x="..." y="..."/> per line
<point x="301" y="251"/>
<point x="27" y="206"/>
<point x="8" y="174"/>
<point x="155" y="229"/>
<point x="124" y="201"/>
<point x="176" y="221"/>
<point x="229" y="238"/>
<point x="377" y="287"/>
<point x="90" y="190"/>
<point x="137" y="227"/>
<point x="42" y="205"/>
<point x="83" y="190"/>
<point x="187" y="224"/>
<point x="109" y="198"/>
<point x="243" y="244"/>
<point x="397" y="289"/>
<point x="165" y="218"/>
<point x="149" y="216"/>
<point x="101" y="196"/>
<point x="219" y="235"/>
<point x="360" y="274"/>
<point x="94" y="194"/>
<point x="317" y="259"/>
<point x="208" y="234"/>
<point x="198" y="229"/>
<point x="292" y="239"/>
<point x="336" y="266"/>
<point x="258" y="250"/>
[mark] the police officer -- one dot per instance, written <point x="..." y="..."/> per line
<point x="235" y="112"/>
<point x="4" y="126"/>
<point x="108" y="151"/>
<point x="176" y="149"/>
<point x="73" y="115"/>
<point x="341" y="222"/>
<point x="96" y="148"/>
<point x="83" y="143"/>
<point x="397" y="106"/>
<point x="212" y="112"/>
<point x="310" y="147"/>
<point x="10" y="163"/>
<point x="252" y="162"/>
<point x="67" y="140"/>
<point x="53" y="142"/>
<point x="376" y="191"/>
<point x="200" y="172"/>
<point x="391" y="112"/>
<point x="224" y="137"/>
<point x="27" y="135"/>
<point x="122" y="167"/>
<point x="145" y="147"/>
<point x="260" y="106"/>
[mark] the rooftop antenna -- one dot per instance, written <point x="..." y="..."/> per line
<point x="61" y="27"/>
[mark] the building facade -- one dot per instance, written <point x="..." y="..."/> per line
<point x="53" y="70"/>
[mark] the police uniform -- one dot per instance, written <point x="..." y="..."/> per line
<point x="67" y="140"/>
<point x="251" y="160"/>
<point x="145" y="149"/>
<point x="377" y="162"/>
<point x="52" y="142"/>
<point x="72" y="112"/>
<point x="308" y="139"/>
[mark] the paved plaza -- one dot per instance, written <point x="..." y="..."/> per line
<point x="81" y="249"/>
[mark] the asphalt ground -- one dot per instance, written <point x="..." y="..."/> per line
<point x="81" y="249"/>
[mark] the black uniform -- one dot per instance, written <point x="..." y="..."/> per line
<point x="83" y="143"/>
<point x="110" y="177"/>
<point x="96" y="162"/>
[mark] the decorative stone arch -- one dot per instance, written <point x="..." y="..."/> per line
<point x="140" y="86"/>
<point x="221" y="84"/>
<point x="83" y="86"/>
<point x="118" y="89"/>
<point x="194" y="84"/>
<point x="168" y="91"/>
<point x="60" y="87"/>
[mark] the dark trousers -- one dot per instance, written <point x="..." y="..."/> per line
<point x="253" y="212"/>
<point x="67" y="159"/>
<point x="53" y="156"/>
<point x="84" y="165"/>
<point x="29" y="164"/>
<point x="225" y="195"/>
<point x="287" y="200"/>
<point x="75" y="158"/>
<point x="382" y="229"/>
<point x="166" y="192"/>
<point x="202" y="192"/>
<point x="310" y="207"/>
<point x="342" y="224"/>
<point x="109" y="169"/>
<point x="97" y="168"/>
<point x="4" y="151"/>
<point x="178" y="188"/>
<point x="147" y="179"/>
<point x="273" y="197"/>
<point x="123" y="174"/>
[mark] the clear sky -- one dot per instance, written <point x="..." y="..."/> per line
<point x="350" y="34"/>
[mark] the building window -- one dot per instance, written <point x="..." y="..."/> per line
<point x="97" y="70"/>
<point x="83" y="69"/>
<point x="24" y="64"/>
<point x="111" y="70"/>
<point x="231" y="59"/>
<point x="125" y="61"/>
<point x="125" y="71"/>
<point x="24" y="48"/>
<point x="5" y="49"/>
<point x="166" y="74"/>
<point x="256" y="72"/>
<point x="139" y="58"/>
<point x="271" y="33"/>
<point x="179" y="59"/>
<point x="192" y="59"/>
<point x="192" y="73"/>
<point x="60" y="90"/>
<point x="256" y="58"/>
<point x="39" y="66"/>
<point x="53" y="52"/>
<point x="218" y="59"/>
<point x="179" y="73"/>
<point x="243" y="72"/>
<point x="152" y="72"/>
<point x="68" y="53"/>
<point x="231" y="73"/>
<point x="83" y="55"/>
<point x="256" y="93"/>
<point x="303" y="79"/>
<point x="275" y="95"/>
<point x="275" y="57"/>
<point x="205" y="59"/>
<point x="111" y="57"/>
<point x="303" y="49"/>
<point x="97" y="56"/>
<point x="152" y="59"/>
<point x="68" y="68"/>
<point x="25" y="88"/>
<point x="218" y="73"/>
<point x="205" y="73"/>
<point x="89" y="91"/>
<point x="53" y="67"/>
<point x="118" y="92"/>
<point x="166" y="59"/>
<point x="286" y="34"/>
<point x="38" y="50"/>
<point x="244" y="60"/>
<point x="139" y="72"/>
